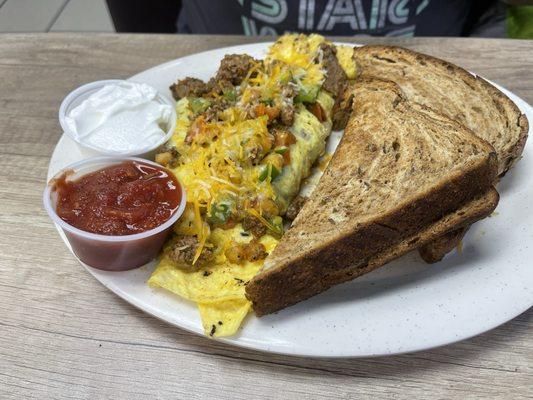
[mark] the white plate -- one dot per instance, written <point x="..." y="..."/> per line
<point x="405" y="306"/>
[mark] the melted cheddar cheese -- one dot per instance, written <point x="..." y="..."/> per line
<point x="221" y="166"/>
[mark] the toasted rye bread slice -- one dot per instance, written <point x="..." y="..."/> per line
<point x="397" y="172"/>
<point x="266" y="301"/>
<point x="456" y="93"/>
<point x="453" y="92"/>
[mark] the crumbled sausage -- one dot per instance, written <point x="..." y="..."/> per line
<point x="189" y="87"/>
<point x="288" y="92"/>
<point x="287" y="114"/>
<point x="342" y="108"/>
<point x="295" y="207"/>
<point x="336" y="78"/>
<point x="234" y="67"/>
<point x="183" y="250"/>
<point x="254" y="226"/>
<point x="219" y="86"/>
<point x="214" y="110"/>
<point x="254" y="153"/>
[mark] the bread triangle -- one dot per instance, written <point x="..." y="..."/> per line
<point x="400" y="169"/>
<point x="456" y="93"/>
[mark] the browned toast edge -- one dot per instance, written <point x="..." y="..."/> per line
<point x="436" y="250"/>
<point x="317" y="270"/>
<point x="267" y="302"/>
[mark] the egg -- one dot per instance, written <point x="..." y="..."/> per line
<point x="345" y="58"/>
<point x="218" y="289"/>
<point x="213" y="163"/>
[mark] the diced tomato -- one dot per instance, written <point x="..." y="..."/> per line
<point x="271" y="111"/>
<point x="284" y="138"/>
<point x="287" y="158"/>
<point x="198" y="127"/>
<point x="317" y="110"/>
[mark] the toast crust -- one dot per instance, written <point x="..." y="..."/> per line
<point x="288" y="278"/>
<point x="461" y="219"/>
<point x="435" y="251"/>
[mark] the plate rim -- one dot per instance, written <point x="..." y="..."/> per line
<point x="252" y="345"/>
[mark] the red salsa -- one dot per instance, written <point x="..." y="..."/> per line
<point x="123" y="199"/>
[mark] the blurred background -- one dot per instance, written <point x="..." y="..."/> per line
<point x="55" y="15"/>
<point x="486" y="18"/>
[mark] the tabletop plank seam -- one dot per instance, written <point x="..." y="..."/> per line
<point x="54" y="373"/>
<point x="190" y="351"/>
<point x="26" y="380"/>
<point x="3" y="153"/>
<point x="465" y="365"/>
<point x="254" y="360"/>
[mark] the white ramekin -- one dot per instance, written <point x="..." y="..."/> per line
<point x="77" y="96"/>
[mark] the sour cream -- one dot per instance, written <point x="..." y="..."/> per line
<point x="122" y="117"/>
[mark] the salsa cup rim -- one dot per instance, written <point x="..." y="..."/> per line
<point x="107" y="161"/>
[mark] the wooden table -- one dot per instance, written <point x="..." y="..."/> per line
<point x="63" y="335"/>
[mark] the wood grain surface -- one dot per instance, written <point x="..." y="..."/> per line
<point x="64" y="336"/>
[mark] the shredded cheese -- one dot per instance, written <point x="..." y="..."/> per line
<point x="208" y="168"/>
<point x="299" y="52"/>
<point x="216" y="158"/>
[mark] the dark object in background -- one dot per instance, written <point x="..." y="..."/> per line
<point x="148" y="16"/>
<point x="161" y="16"/>
<point x="480" y="8"/>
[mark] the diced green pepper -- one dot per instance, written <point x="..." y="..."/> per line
<point x="277" y="223"/>
<point x="198" y="104"/>
<point x="220" y="213"/>
<point x="265" y="172"/>
<point x="269" y="171"/>
<point x="267" y="95"/>
<point x="299" y="73"/>
<point x="307" y="94"/>
<point x="267" y="101"/>
<point x="281" y="149"/>
<point x="285" y="77"/>
<point x="274" y="173"/>
<point x="231" y="95"/>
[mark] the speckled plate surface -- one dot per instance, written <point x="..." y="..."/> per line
<point x="405" y="306"/>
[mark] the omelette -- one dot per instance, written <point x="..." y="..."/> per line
<point x="244" y="143"/>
